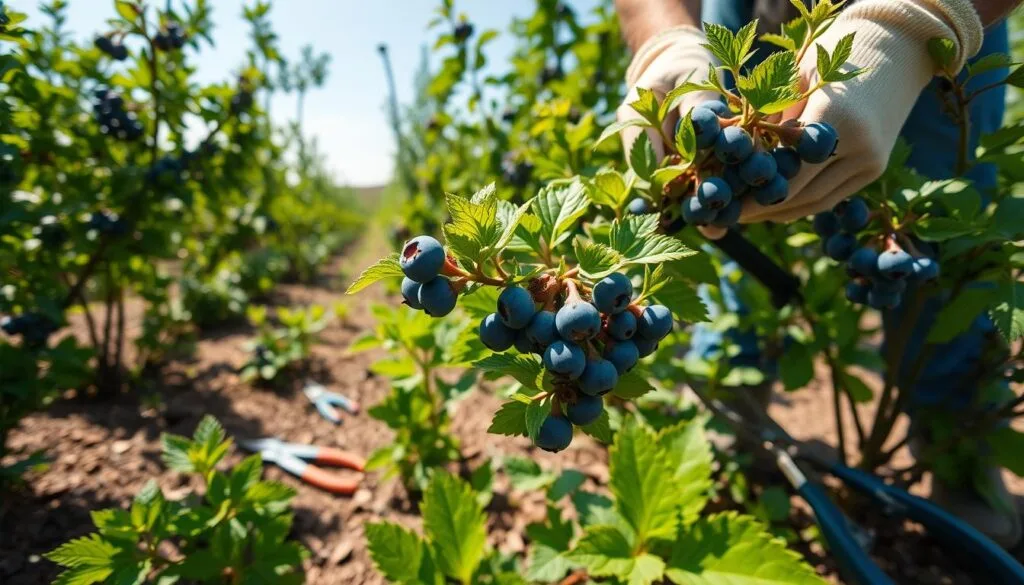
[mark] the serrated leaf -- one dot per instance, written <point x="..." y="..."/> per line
<point x="646" y="105"/>
<point x="636" y="239"/>
<point x="176" y="453"/>
<point x="546" y="564"/>
<point x="525" y="369"/>
<point x="387" y="267"/>
<point x="559" y="206"/>
<point x="209" y="433"/>
<point x="1016" y="77"/>
<point x="675" y="97"/>
<point x="773" y="85"/>
<point x="1008" y="312"/>
<point x="509" y="217"/>
<point x="681" y="298"/>
<point x="619" y="126"/>
<point x="395" y="551"/>
<point x="780" y="41"/>
<point x="600" y="429"/>
<point x="474" y="228"/>
<point x="642" y="158"/>
<point x="596" y="260"/>
<point x="87" y="551"/>
<point x="604" y="551"/>
<point x="83" y="576"/>
<point x="732" y="50"/>
<point x="689" y="454"/>
<point x="989" y="62"/>
<point x="942" y="51"/>
<point x="608" y="188"/>
<point x="455" y="524"/>
<point x="632" y="384"/>
<point x="536" y="412"/>
<point x="686" y="138"/>
<point x="735" y="550"/>
<point x="641" y="480"/>
<point x="509" y="420"/>
<point x="830" y="66"/>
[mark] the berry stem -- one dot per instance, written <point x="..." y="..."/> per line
<point x="788" y="134"/>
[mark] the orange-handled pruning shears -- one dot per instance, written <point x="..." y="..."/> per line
<point x="296" y="459"/>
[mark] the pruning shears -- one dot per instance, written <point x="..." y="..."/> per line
<point x="295" y="459"/>
<point x="325" y="402"/>
<point x="855" y="565"/>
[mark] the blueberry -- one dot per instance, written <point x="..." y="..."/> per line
<point x="853" y="214"/>
<point x="884" y="300"/>
<point x="578" y="321"/>
<point x="864" y="262"/>
<point x="826" y="224"/>
<point x="729" y="216"/>
<point x="555" y="433"/>
<point x="714" y="193"/>
<point x="655" y="323"/>
<point x="731" y="175"/>
<point x="11" y="325"/>
<point x="623" y="355"/>
<point x="613" y="293"/>
<point x="622" y="326"/>
<point x="515" y="305"/>
<point x="733" y="145"/>
<point x="758" y="169"/>
<point x="586" y="410"/>
<point x="695" y="213"/>
<point x="857" y="292"/>
<point x="925" y="268"/>
<point x="840" y="246"/>
<point x="495" y="335"/>
<point x="787" y="160"/>
<point x="895" y="263"/>
<point x="638" y="206"/>
<point x="524" y="344"/>
<point x="817" y="142"/>
<point x="705" y="126"/>
<point x="411" y="292"/>
<point x="599" y="377"/>
<point x="645" y="347"/>
<point x="463" y="31"/>
<point x="437" y="297"/>
<point x="566" y="358"/>
<point x="422" y="258"/>
<point x="541" y="329"/>
<point x="719" y="107"/>
<point x="104" y="44"/>
<point x="773" y="192"/>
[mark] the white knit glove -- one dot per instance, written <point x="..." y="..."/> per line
<point x="868" y="111"/>
<point x="663" y="63"/>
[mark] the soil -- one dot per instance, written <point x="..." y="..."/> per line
<point x="103" y="450"/>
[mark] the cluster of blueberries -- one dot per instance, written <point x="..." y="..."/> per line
<point x="742" y="168"/>
<point x="107" y="223"/>
<point x="516" y="172"/>
<point x="171" y="36"/>
<point x="423" y="287"/>
<point x="463" y="31"/>
<point x="34" y="328"/>
<point x="114" y="120"/>
<point x="878" y="277"/>
<point x="50" y="232"/>
<point x="113" y="48"/>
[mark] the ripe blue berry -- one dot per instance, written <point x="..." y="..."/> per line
<point x="731" y="175"/>
<point x="638" y="206"/>
<point x="515" y="307"/>
<point x="758" y="169"/>
<point x="623" y="355"/>
<point x="857" y="292"/>
<point x="411" y="292"/>
<point x="613" y="293"/>
<point x="733" y="145"/>
<point x="495" y="335"/>
<point x="622" y="326"/>
<point x="840" y="246"/>
<point x="720" y="108"/>
<point x="566" y="358"/>
<point x="773" y="192"/>
<point x="586" y="410"/>
<point x="705" y="126"/>
<point x="524" y="344"/>
<point x="655" y="323"/>
<point x="541" y="329"/>
<point x="826" y="224"/>
<point x="578" y="321"/>
<point x="422" y="258"/>
<point x="645" y="347"/>
<point x="730" y="215"/>
<point x="895" y="263"/>
<point x="714" y="193"/>
<point x="925" y="268"/>
<point x="853" y="214"/>
<point x="884" y="300"/>
<point x="817" y="142"/>
<point x="787" y="160"/>
<point x="599" y="377"/>
<point x="695" y="213"/>
<point x="555" y="433"/>
<point x="864" y="262"/>
<point x="437" y="297"/>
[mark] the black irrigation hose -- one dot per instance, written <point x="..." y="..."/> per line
<point x="784" y="286"/>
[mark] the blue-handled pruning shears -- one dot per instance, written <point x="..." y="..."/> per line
<point x="325" y="402"/>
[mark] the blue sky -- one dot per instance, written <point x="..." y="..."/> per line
<point x="347" y="114"/>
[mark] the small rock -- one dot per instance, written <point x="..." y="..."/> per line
<point x="361" y="498"/>
<point x="120" y="447"/>
<point x="341" y="553"/>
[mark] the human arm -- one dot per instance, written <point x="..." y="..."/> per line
<point x="642" y="19"/>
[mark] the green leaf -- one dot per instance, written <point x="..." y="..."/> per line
<point x="536" y="412"/>
<point x="176" y="453"/>
<point x="474" y="228"/>
<point x="728" y="549"/>
<point x="386" y="267"/>
<point x="732" y="50"/>
<point x="681" y="298"/>
<point x="942" y="51"/>
<point x="596" y="260"/>
<point x="509" y="420"/>
<point x="87" y="551"/>
<point x="83" y="576"/>
<point x="686" y="138"/>
<point x="640" y="479"/>
<point x="773" y="85"/>
<point x="127" y="10"/>
<point x="796" y="366"/>
<point x="455" y="524"/>
<point x="636" y="238"/>
<point x="1008" y="312"/>
<point x="780" y="41"/>
<point x="600" y="429"/>
<point x="632" y="384"/>
<point x="642" y="158"/>
<point x="935" y="229"/>
<point x="558" y="206"/>
<point x="957" y="316"/>
<point x="608" y="188"/>
<point x="395" y="551"/>
<point x="989" y="62"/>
<point x="688" y="453"/>
<point x="245" y="475"/>
<point x="646" y="105"/>
<point x="1016" y="77"/>
<point x="525" y="369"/>
<point x="605" y="552"/>
<point x="830" y="67"/>
<point x="675" y="97"/>
<point x="509" y="217"/>
<point x="547" y="564"/>
<point x="568" y="482"/>
<point x="526" y="474"/>
<point x="209" y="433"/>
<point x="1007" y="448"/>
<point x="859" y="391"/>
<point x="619" y="126"/>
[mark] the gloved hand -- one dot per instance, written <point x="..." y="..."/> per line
<point x="661" y="64"/>
<point x="868" y="111"/>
